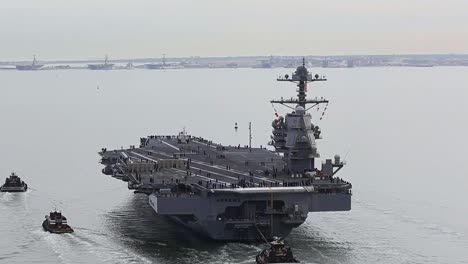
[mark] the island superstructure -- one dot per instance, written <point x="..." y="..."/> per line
<point x="238" y="193"/>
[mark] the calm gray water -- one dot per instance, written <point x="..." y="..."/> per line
<point x="402" y="132"/>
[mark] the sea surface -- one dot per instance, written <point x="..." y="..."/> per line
<point x="402" y="131"/>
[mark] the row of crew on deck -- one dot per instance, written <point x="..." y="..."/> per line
<point x="214" y="184"/>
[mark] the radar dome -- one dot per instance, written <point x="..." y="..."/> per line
<point x="299" y="110"/>
<point x="301" y="70"/>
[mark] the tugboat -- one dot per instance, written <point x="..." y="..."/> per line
<point x="277" y="253"/>
<point x="56" y="223"/>
<point x="14" y="184"/>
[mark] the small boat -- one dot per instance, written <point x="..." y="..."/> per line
<point x="277" y="253"/>
<point x="14" y="184"/>
<point x="56" y="223"/>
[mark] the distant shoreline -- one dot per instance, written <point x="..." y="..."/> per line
<point x="337" y="61"/>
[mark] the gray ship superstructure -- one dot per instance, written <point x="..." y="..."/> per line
<point x="238" y="193"/>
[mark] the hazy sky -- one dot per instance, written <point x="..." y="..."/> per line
<point x="68" y="29"/>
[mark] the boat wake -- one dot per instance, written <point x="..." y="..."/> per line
<point x="99" y="248"/>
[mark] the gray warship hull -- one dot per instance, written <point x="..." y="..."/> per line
<point x="28" y="67"/>
<point x="207" y="224"/>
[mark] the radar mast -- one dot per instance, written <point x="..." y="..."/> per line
<point x="294" y="135"/>
<point x="301" y="77"/>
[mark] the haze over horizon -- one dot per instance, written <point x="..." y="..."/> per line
<point x="58" y="30"/>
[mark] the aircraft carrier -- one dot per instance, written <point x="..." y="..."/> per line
<point x="104" y="66"/>
<point x="31" y="67"/>
<point x="238" y="193"/>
